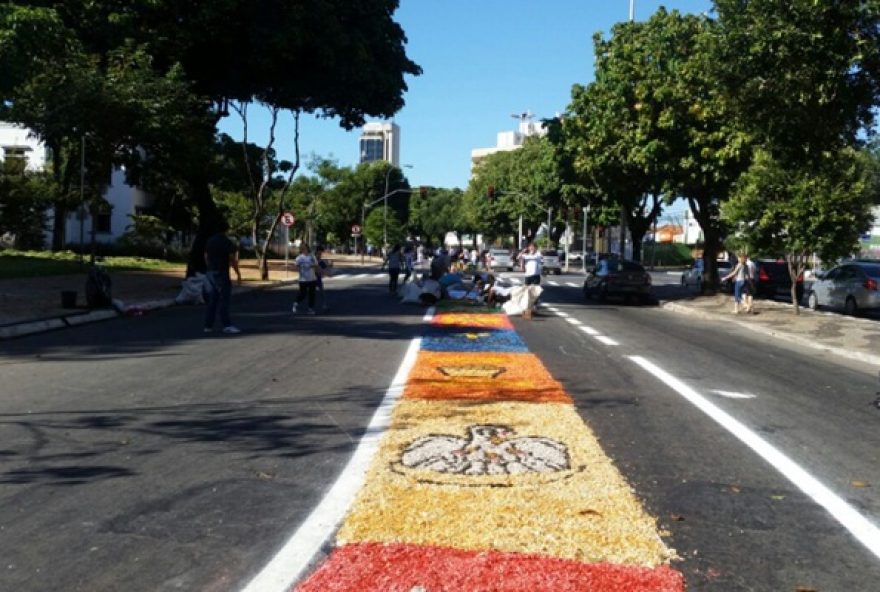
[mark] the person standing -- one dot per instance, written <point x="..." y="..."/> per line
<point x="393" y="260"/>
<point x="751" y="283"/>
<point x="408" y="262"/>
<point x="324" y="269"/>
<point x="308" y="279"/>
<point x="739" y="274"/>
<point x="533" y="262"/>
<point x="220" y="255"/>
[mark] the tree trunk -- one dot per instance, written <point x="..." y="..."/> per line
<point x="209" y="222"/>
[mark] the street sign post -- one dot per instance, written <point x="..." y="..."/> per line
<point x="287" y="218"/>
<point x="356" y="233"/>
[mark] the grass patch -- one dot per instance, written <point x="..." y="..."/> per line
<point x="21" y="264"/>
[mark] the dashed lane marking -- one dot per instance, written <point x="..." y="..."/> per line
<point x="733" y="395"/>
<point x="606" y="340"/>
<point x="589" y="331"/>
<point x="572" y="284"/>
<point x="573" y="321"/>
<point x="860" y="527"/>
<point x="552" y="283"/>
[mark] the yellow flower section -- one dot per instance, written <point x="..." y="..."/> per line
<point x="586" y="513"/>
<point x="482" y="376"/>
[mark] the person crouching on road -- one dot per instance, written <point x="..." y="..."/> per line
<point x="533" y="262"/>
<point x="308" y="279"/>
<point x="220" y="255"/>
<point x="740" y="275"/>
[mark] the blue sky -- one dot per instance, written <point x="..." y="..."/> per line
<point x="482" y="61"/>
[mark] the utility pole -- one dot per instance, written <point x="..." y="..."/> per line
<point x="82" y="197"/>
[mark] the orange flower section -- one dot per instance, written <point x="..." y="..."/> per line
<point x="482" y="377"/>
<point x="483" y="321"/>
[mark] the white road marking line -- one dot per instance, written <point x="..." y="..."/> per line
<point x="734" y="395"/>
<point x="285" y="568"/>
<point x="860" y="527"/>
<point x="429" y="314"/>
<point x="341" y="276"/>
<point x="573" y="321"/>
<point x="361" y="276"/>
<point x="515" y="281"/>
<point x="589" y="331"/>
<point x="572" y="284"/>
<point x="559" y="313"/>
<point x="552" y="283"/>
<point x="606" y="340"/>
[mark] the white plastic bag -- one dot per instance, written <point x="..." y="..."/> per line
<point x="192" y="290"/>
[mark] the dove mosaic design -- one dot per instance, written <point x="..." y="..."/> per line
<point x="488" y="479"/>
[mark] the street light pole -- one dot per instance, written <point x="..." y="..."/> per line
<point x="584" y="240"/>
<point x="385" y="206"/>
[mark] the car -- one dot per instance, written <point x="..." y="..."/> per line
<point x="500" y="259"/>
<point x="694" y="275"/>
<point x="850" y="287"/>
<point x="550" y="262"/>
<point x="616" y="277"/>
<point x="773" y="280"/>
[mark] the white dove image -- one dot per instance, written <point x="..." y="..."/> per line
<point x="488" y="450"/>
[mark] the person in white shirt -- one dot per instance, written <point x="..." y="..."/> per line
<point x="533" y="261"/>
<point x="308" y="279"/>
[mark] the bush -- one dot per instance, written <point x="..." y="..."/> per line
<point x="667" y="254"/>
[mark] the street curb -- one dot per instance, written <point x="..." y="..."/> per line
<point x="31" y="327"/>
<point x="838" y="351"/>
<point x="90" y="317"/>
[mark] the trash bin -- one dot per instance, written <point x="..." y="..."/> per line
<point x="68" y="298"/>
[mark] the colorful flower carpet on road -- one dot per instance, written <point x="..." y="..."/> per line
<point x="488" y="479"/>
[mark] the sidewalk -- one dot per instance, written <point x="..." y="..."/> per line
<point x="33" y="305"/>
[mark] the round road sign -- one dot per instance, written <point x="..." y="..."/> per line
<point x="288" y="219"/>
<point x="355" y="229"/>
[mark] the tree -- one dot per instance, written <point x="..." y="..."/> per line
<point x="24" y="197"/>
<point x="339" y="59"/>
<point x="819" y="209"/>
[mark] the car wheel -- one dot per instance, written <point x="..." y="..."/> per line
<point x="851" y="308"/>
<point x="812" y="301"/>
<point x="684" y="282"/>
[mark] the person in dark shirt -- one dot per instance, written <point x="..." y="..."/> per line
<point x="220" y="255"/>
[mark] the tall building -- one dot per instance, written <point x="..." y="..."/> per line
<point x="380" y="141"/>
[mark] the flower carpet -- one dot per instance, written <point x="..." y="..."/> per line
<point x="488" y="479"/>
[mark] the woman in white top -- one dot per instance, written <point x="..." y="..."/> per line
<point x="308" y="279"/>
<point x="533" y="262"/>
<point x="741" y="277"/>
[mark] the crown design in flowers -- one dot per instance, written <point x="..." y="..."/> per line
<point x="472" y="371"/>
<point x="489" y="455"/>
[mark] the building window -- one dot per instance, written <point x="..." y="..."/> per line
<point x="102" y="223"/>
<point x="372" y="149"/>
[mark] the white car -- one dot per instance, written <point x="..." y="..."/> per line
<point x="500" y="259"/>
<point x="850" y="287"/>
<point x="694" y="275"/>
<point x="550" y="263"/>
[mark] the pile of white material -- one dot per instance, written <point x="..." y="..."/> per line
<point x="522" y="298"/>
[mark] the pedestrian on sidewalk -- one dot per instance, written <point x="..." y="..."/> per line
<point x="739" y="274"/>
<point x="751" y="284"/>
<point x="308" y="280"/>
<point x="393" y="260"/>
<point x="220" y="254"/>
<point x="325" y="269"/>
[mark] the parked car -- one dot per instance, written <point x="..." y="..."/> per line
<point x="615" y="277"/>
<point x="500" y="259"/>
<point x="550" y="262"/>
<point x="850" y="287"/>
<point x="773" y="279"/>
<point x="575" y="258"/>
<point x="694" y="275"/>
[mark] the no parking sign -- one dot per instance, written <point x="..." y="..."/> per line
<point x="288" y="219"/>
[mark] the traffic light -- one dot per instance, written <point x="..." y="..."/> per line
<point x="423" y="191"/>
<point x="490" y="192"/>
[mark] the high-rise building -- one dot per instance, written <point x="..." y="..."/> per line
<point x="380" y="141"/>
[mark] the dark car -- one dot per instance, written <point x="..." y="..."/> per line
<point x="615" y="277"/>
<point x="773" y="280"/>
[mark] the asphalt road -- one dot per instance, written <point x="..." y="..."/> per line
<point x="141" y="454"/>
<point x="737" y="523"/>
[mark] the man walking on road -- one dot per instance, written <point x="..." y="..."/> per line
<point x="220" y="254"/>
<point x="308" y="280"/>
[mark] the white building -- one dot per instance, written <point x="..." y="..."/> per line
<point x="510" y="140"/>
<point x="380" y="141"/>
<point x="18" y="142"/>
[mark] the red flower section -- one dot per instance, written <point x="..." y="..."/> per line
<point x="374" y="567"/>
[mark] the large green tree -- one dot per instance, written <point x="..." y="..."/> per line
<point x="818" y="209"/>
